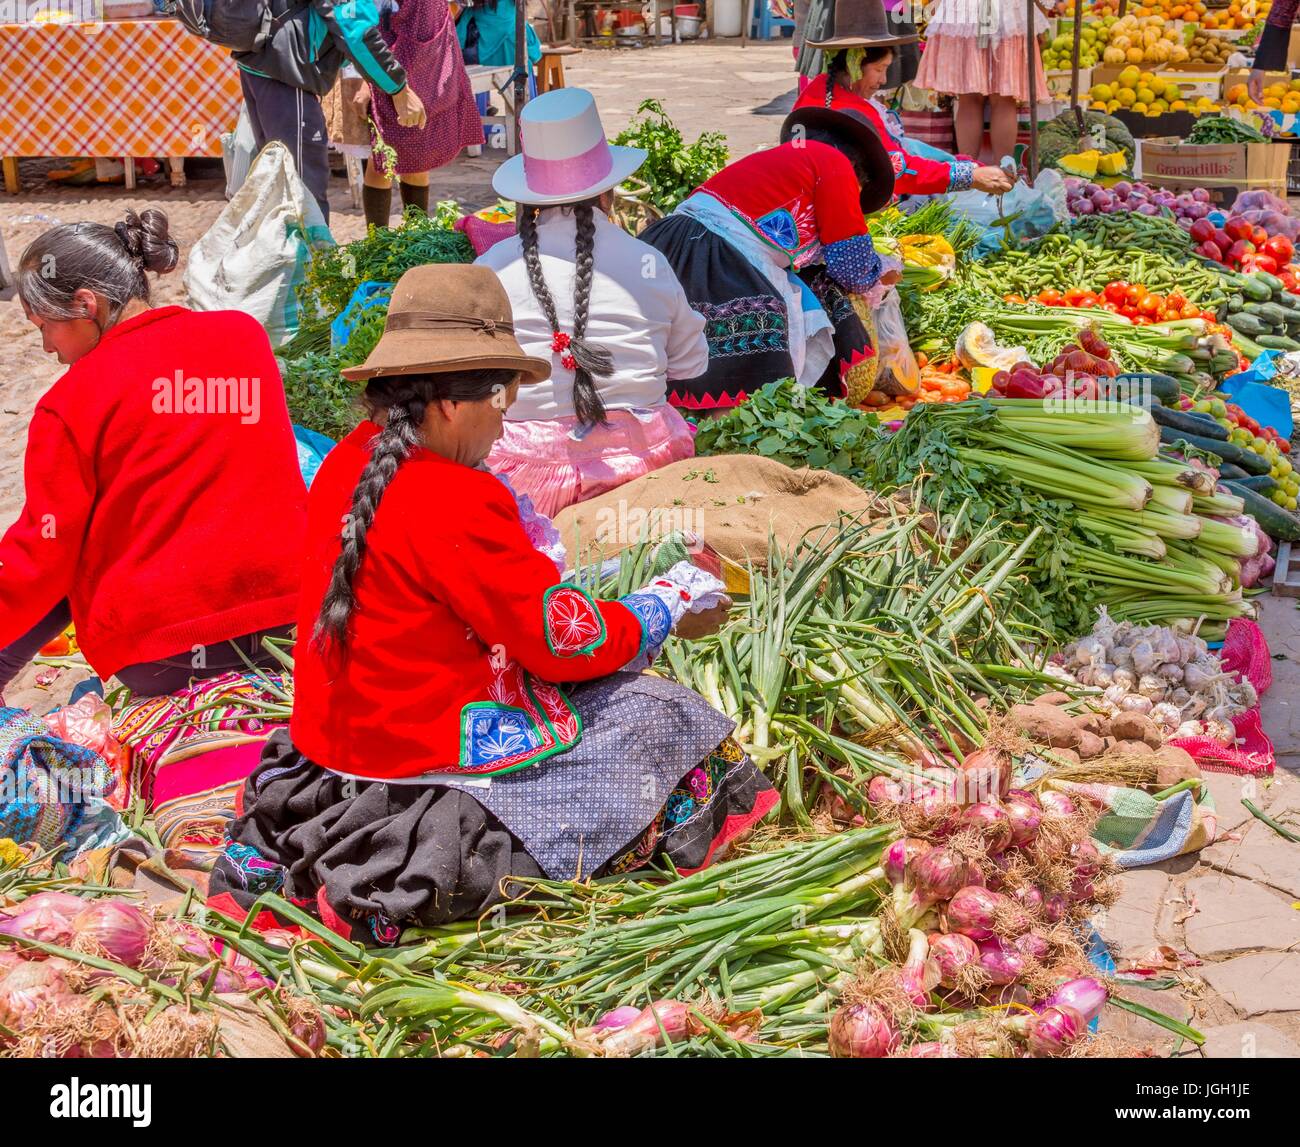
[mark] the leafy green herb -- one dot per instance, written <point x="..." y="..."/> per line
<point x="382" y="256"/>
<point x="672" y="169"/>
<point x="794" y="426"/>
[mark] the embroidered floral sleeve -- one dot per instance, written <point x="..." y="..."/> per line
<point x="961" y="172"/>
<point x="574" y="625"/>
<point x="853" y="263"/>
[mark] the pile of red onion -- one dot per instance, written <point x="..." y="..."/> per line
<point x="984" y="888"/>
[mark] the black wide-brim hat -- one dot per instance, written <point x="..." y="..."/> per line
<point x="865" y="24"/>
<point x="853" y="126"/>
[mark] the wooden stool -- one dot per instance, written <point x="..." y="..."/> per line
<point x="550" y="68"/>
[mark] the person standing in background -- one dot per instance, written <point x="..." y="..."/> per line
<point x="976" y="51"/>
<point x="486" y="31"/>
<point x="1274" y="43"/>
<point x="422" y="37"/>
<point x="283" y="81"/>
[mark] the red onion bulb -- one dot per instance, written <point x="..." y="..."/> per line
<point x="1054" y="1029"/>
<point x="971" y="911"/>
<point x="1087" y="995"/>
<point x="952" y="952"/>
<point x="861" y="1031"/>
<point x="120" y="929"/>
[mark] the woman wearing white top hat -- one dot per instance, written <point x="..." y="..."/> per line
<point x="603" y="307"/>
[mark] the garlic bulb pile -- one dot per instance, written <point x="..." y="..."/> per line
<point x="1171" y="677"/>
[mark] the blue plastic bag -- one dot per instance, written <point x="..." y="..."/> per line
<point x="1250" y="389"/>
<point x="312" y="448"/>
<point x="366" y="297"/>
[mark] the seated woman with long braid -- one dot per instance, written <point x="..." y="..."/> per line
<point x="465" y="720"/>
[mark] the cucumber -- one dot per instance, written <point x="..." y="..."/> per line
<point x="1261" y="483"/>
<point x="1235" y="303"/>
<point x="1272" y="314"/>
<point x="1161" y="386"/>
<point x="1228" y="470"/>
<point x="1254" y="286"/>
<point x="1277" y="342"/>
<point x="1274" y="284"/>
<point x="1189" y="422"/>
<point x="1248" y="460"/>
<point x="1273" y="520"/>
<point x="1247" y="324"/>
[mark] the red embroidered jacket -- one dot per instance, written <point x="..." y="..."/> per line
<point x="459" y="633"/>
<point x="803" y="200"/>
<point x="913" y="174"/>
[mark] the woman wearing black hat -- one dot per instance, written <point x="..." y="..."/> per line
<point x="858" y="58"/>
<point x="738" y="241"/>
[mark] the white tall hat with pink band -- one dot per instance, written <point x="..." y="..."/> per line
<point x="564" y="154"/>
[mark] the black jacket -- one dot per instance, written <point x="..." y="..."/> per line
<point x="308" y="49"/>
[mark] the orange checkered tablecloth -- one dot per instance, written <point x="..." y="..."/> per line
<point x="122" y="88"/>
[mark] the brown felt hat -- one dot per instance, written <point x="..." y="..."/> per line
<point x="445" y="317"/>
<point x="863" y="24"/>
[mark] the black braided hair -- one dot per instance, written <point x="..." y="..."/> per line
<point x="590" y="360"/>
<point x="405" y="398"/>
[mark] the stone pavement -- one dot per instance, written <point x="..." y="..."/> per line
<point x="1233" y="910"/>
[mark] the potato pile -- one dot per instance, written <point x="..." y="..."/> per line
<point x="1093" y="736"/>
<point x="1211" y="52"/>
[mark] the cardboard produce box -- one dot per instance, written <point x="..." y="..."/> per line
<point x="1058" y="82"/>
<point x="1234" y="76"/>
<point x="1225" y="170"/>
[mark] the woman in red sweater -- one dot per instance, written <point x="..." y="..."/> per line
<point x="462" y="714"/>
<point x="164" y="505"/>
<point x="768" y="251"/>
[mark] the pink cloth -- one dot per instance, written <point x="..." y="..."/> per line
<point x="482" y="234"/>
<point x="423" y="38"/>
<point x="543" y="459"/>
<point x="956" y="65"/>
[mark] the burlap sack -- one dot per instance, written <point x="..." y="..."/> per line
<point x="734" y="501"/>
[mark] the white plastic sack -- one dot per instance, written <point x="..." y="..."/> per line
<point x="237" y="148"/>
<point x="256" y="253"/>
<point x="892" y="347"/>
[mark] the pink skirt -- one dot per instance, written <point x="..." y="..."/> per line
<point x="543" y="459"/>
<point x="956" y="65"/>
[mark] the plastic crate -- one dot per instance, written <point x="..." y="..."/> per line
<point x="1293" y="170"/>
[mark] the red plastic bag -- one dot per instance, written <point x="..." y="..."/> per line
<point x="1245" y="653"/>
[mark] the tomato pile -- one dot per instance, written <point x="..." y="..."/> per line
<point x="1132" y="300"/>
<point x="1244" y="246"/>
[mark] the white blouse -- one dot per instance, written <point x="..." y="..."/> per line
<point x="637" y="311"/>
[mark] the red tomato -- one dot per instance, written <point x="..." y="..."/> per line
<point x="1176" y="299"/>
<point x="1259" y="236"/>
<point x="1050" y="298"/>
<point x="1114" y="292"/>
<point x="1150" y="305"/>
<point x="1284" y="444"/>
<point x="1128" y="311"/>
<point x="1190" y="311"/>
<point x="1279" y="247"/>
<point x="1238" y="228"/>
<point x="1112" y="307"/>
<point x="1266" y="263"/>
<point x="1135" y="294"/>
